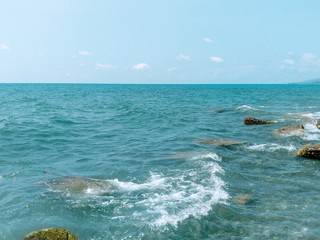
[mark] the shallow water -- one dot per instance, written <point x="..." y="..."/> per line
<point x="127" y="161"/>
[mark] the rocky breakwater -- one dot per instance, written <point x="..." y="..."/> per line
<point x="255" y="121"/>
<point x="51" y="234"/>
<point x="310" y="151"/>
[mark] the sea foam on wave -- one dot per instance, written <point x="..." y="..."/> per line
<point x="312" y="132"/>
<point x="186" y="193"/>
<point x="247" y="108"/>
<point x="271" y="147"/>
<point x="168" y="197"/>
<point x="156" y="181"/>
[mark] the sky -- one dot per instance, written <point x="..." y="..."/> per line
<point x="164" y="41"/>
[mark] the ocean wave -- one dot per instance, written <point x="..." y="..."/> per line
<point x="156" y="181"/>
<point x="191" y="194"/>
<point x="271" y="147"/>
<point x="307" y="117"/>
<point x="172" y="199"/>
<point x="205" y="155"/>
<point x="312" y="132"/>
<point x="247" y="108"/>
<point x="161" y="200"/>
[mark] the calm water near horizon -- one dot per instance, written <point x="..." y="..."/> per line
<point x="138" y="161"/>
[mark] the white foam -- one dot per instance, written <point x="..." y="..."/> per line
<point x="210" y="155"/>
<point x="167" y="198"/>
<point x="245" y="108"/>
<point x="314" y="115"/>
<point x="156" y="181"/>
<point x="191" y="194"/>
<point x="271" y="147"/>
<point x="312" y="132"/>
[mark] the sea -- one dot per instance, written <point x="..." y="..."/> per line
<point x="159" y="161"/>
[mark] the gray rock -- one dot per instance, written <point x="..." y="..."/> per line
<point x="296" y="130"/>
<point x="80" y="185"/>
<point x="218" y="142"/>
<point x="255" y="121"/>
<point x="51" y="234"/>
<point x="310" y="151"/>
<point x="318" y="123"/>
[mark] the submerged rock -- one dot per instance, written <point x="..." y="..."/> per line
<point x="318" y="123"/>
<point x="297" y="130"/>
<point x="181" y="155"/>
<point x="51" y="234"/>
<point x="218" y="142"/>
<point x="79" y="184"/>
<point x="219" y="110"/>
<point x="310" y="151"/>
<point x="255" y="121"/>
<point x="243" y="199"/>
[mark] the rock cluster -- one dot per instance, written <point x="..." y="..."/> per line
<point x="310" y="151"/>
<point x="51" y="234"/>
<point x="255" y="121"/>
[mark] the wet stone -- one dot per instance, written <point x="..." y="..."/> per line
<point x="51" y="234"/>
<point x="310" y="151"/>
<point x="79" y="184"/>
<point x="218" y="142"/>
<point x="255" y="121"/>
<point x="296" y="130"/>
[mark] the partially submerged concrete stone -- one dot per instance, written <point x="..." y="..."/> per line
<point x="51" y="234"/>
<point x="80" y="185"/>
<point x="218" y="142"/>
<point x="255" y="121"/>
<point x="296" y="130"/>
<point x="310" y="151"/>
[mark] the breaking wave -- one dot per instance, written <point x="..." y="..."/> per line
<point x="271" y="147"/>
<point x="163" y="199"/>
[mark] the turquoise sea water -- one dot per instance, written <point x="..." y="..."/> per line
<point x="133" y="161"/>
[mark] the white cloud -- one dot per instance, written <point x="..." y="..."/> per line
<point x="141" y="66"/>
<point x="309" y="58"/>
<point x="207" y="40"/>
<point x="216" y="59"/>
<point x="84" y="53"/>
<point x="182" y="57"/>
<point x="4" y="47"/>
<point x="100" y="66"/>
<point x="172" y="69"/>
<point x="289" y="61"/>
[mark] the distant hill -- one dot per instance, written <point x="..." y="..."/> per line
<point x="312" y="81"/>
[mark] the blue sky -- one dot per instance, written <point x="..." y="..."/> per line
<point x="167" y="41"/>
